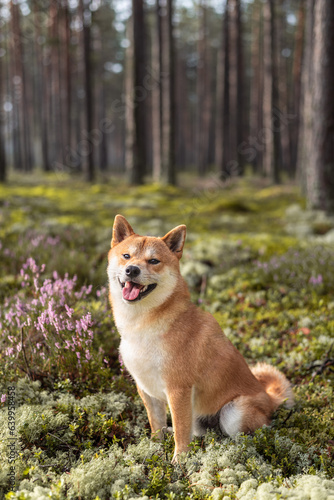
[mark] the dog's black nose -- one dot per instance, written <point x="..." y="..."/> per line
<point x="132" y="271"/>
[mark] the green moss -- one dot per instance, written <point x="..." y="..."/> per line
<point x="270" y="289"/>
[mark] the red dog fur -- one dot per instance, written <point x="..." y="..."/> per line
<point x="176" y="352"/>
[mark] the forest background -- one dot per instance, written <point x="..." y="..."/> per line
<point x="216" y="114"/>
<point x="168" y="87"/>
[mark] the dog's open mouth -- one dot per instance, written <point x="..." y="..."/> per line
<point x="132" y="291"/>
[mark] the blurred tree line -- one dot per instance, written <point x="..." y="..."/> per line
<point x="155" y="87"/>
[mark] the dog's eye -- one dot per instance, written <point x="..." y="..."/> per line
<point x="154" y="261"/>
<point x="126" y="256"/>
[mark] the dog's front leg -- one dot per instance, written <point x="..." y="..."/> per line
<point x="180" y="404"/>
<point x="156" y="412"/>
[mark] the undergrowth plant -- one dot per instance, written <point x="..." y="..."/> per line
<point x="81" y="431"/>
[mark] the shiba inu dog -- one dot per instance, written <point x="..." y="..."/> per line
<point x="175" y="351"/>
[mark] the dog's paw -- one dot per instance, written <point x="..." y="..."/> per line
<point x="160" y="434"/>
<point x="179" y="457"/>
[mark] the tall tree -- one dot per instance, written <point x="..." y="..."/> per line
<point x="203" y="91"/>
<point x="88" y="83"/>
<point x="305" y="129"/>
<point x="23" y="155"/>
<point x="55" y="117"/>
<point x="41" y="88"/>
<point x="156" y="93"/>
<point x="272" y="138"/>
<point x="232" y="161"/>
<point x="66" y="81"/>
<point x="284" y="87"/>
<point x="219" y="101"/>
<point x="136" y="95"/>
<point x="168" y="94"/>
<point x="296" y="83"/>
<point x="227" y="148"/>
<point x="236" y="79"/>
<point x="256" y="90"/>
<point x="181" y="118"/>
<point x="320" y="164"/>
<point x="3" y="164"/>
<point x="129" y="109"/>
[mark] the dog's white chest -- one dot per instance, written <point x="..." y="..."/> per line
<point x="143" y="357"/>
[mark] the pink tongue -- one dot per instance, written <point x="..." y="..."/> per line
<point x="130" y="290"/>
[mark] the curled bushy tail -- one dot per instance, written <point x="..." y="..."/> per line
<point x="275" y="384"/>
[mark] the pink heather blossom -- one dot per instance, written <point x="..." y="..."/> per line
<point x="316" y="280"/>
<point x="3" y="398"/>
<point x="69" y="311"/>
<point x="46" y="308"/>
<point x="69" y="325"/>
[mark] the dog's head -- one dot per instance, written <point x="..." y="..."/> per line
<point x="143" y="267"/>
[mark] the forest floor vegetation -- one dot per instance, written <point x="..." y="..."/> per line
<point x="254" y="257"/>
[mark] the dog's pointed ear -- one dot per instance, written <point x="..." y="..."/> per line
<point x="121" y="230"/>
<point x="175" y="240"/>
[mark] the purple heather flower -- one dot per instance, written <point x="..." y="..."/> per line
<point x="69" y="311"/>
<point x="3" y="398"/>
<point x="316" y="280"/>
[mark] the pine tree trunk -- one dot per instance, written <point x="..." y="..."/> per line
<point x="136" y="95"/>
<point x="156" y="94"/>
<point x="232" y="160"/>
<point x="101" y="106"/>
<point x="67" y="80"/>
<point x="272" y="136"/>
<point x="296" y="90"/>
<point x="203" y="93"/>
<point x="182" y="119"/>
<point x="3" y="164"/>
<point x="88" y="115"/>
<point x="235" y="86"/>
<point x="56" y="147"/>
<point x="275" y="115"/>
<point x="129" y="114"/>
<point x="23" y="157"/>
<point x="305" y="127"/>
<point x="219" y="104"/>
<point x="233" y="79"/>
<point x="256" y="104"/>
<point x="267" y="94"/>
<point x="320" y="166"/>
<point x="168" y="104"/>
<point x="42" y="92"/>
<point x="103" y="144"/>
<point x="284" y="87"/>
<point x="226" y="156"/>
